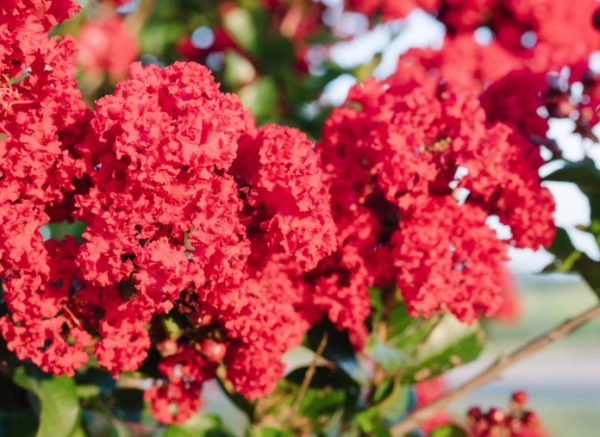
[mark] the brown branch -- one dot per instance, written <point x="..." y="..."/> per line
<point x="494" y="370"/>
<point x="135" y="21"/>
<point x="310" y="373"/>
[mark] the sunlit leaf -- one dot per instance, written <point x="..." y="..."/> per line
<point x="198" y="426"/>
<point x="449" y="431"/>
<point x="60" y="414"/>
<point x="455" y="352"/>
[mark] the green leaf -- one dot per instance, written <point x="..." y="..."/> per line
<point x="318" y="402"/>
<point x="562" y="247"/>
<point x="198" y="426"/>
<point x="25" y="380"/>
<point x="99" y="422"/>
<point x="583" y="173"/>
<point x="376" y="305"/>
<point x="370" y="423"/>
<point x="238" y="70"/>
<point x="265" y="431"/>
<point x="244" y="27"/>
<point x="399" y="320"/>
<point x="457" y="352"/>
<point x="339" y="350"/>
<point x="570" y="259"/>
<point x="60" y="407"/>
<point x="322" y="378"/>
<point x="261" y="98"/>
<point x="390" y="358"/>
<point x="449" y="431"/>
<point x="332" y="394"/>
<point x="413" y="335"/>
<point x="397" y="404"/>
<point x="60" y="230"/>
<point x="87" y="391"/>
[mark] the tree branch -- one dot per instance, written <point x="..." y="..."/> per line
<point x="310" y="373"/>
<point x="495" y="369"/>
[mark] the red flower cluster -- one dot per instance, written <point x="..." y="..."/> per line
<point x="188" y="195"/>
<point x="520" y="33"/>
<point x="41" y="113"/>
<point x="177" y="397"/>
<point x="415" y="173"/>
<point x="516" y="422"/>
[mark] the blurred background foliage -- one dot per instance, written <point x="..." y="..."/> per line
<point x="273" y="54"/>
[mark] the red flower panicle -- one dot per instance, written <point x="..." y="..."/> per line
<point x="41" y="116"/>
<point x="415" y="173"/>
<point x="188" y="195"/>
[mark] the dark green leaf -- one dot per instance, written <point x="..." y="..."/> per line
<point x="376" y="305"/>
<point x="198" y="426"/>
<point x="318" y="402"/>
<point x="583" y="173"/>
<point x="390" y="358"/>
<point x="127" y="404"/>
<point x="370" y="423"/>
<point x="265" y="431"/>
<point x="570" y="259"/>
<point x="449" y="431"/>
<point x="399" y="320"/>
<point x="60" y="230"/>
<point x="413" y="335"/>
<point x="97" y="377"/>
<point x="460" y="351"/>
<point x="396" y="405"/>
<point x="99" y="422"/>
<point x="18" y="423"/>
<point x="339" y="350"/>
<point x="323" y="377"/>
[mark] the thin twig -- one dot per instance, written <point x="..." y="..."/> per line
<point x="310" y="373"/>
<point x="135" y="21"/>
<point x="493" y="371"/>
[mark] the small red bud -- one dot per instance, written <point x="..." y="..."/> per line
<point x="213" y="350"/>
<point x="481" y="426"/>
<point x="531" y="419"/>
<point x="520" y="397"/>
<point x="474" y="413"/>
<point x="204" y="318"/>
<point x="515" y="425"/>
<point x="167" y="347"/>
<point x="496" y="415"/>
